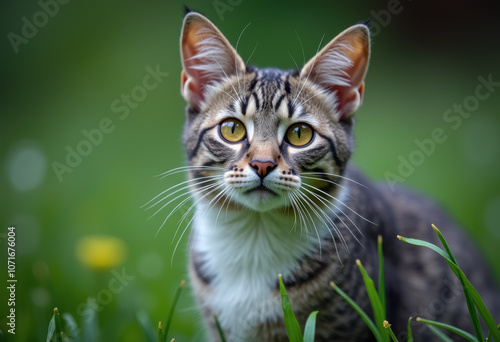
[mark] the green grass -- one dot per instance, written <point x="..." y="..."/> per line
<point x="379" y="326"/>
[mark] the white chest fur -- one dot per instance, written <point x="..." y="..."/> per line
<point x="244" y="252"/>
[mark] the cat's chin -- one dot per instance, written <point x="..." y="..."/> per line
<point x="261" y="199"/>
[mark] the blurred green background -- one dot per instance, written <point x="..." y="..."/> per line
<point x="65" y="77"/>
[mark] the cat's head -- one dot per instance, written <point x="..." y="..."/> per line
<point x="266" y="138"/>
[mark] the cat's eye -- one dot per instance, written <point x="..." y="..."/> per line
<point x="299" y="134"/>
<point x="232" y="130"/>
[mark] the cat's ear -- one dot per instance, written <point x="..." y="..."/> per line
<point x="340" y="67"/>
<point x="207" y="58"/>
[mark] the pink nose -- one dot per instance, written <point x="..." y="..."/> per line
<point x="263" y="168"/>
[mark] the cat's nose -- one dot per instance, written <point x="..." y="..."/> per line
<point x="263" y="168"/>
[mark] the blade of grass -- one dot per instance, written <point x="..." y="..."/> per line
<point x="378" y="309"/>
<point x="310" y="328"/>
<point x="445" y="244"/>
<point x="160" y="332"/>
<point x="219" y="329"/>
<point x="439" y="334"/>
<point x="410" y="333"/>
<point x="422" y="243"/>
<point x="291" y="323"/>
<point x="360" y="312"/>
<point x="381" y="277"/>
<point x="51" y="330"/>
<point x="451" y="328"/>
<point x="391" y="333"/>
<point x="172" y="309"/>
<point x="488" y="339"/>
<point x="472" y="297"/>
<point x="470" y="306"/>
<point x="58" y="331"/>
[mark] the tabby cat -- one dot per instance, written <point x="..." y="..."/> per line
<point x="274" y="193"/>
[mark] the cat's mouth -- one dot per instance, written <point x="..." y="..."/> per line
<point x="261" y="189"/>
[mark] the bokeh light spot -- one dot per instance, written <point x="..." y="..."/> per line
<point x="100" y="252"/>
<point x="26" y="166"/>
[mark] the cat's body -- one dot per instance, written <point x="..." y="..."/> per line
<point x="268" y="154"/>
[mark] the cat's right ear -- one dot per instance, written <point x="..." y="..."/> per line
<point x="340" y="67"/>
<point x="207" y="58"/>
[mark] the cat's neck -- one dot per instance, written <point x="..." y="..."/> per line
<point x="253" y="245"/>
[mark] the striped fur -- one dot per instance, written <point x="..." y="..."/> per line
<point x="313" y="214"/>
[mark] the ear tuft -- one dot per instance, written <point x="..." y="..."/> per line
<point x="340" y="68"/>
<point x="207" y="58"/>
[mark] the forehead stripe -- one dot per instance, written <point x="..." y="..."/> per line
<point x="287" y="86"/>
<point x="244" y="104"/>
<point x="291" y="109"/>
<point x="256" y="98"/>
<point x="252" y="84"/>
<point x="278" y="103"/>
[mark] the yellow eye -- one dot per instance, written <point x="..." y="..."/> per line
<point x="299" y="134"/>
<point x="232" y="130"/>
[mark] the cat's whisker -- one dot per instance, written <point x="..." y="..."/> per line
<point x="189" y="223"/>
<point x="309" y="72"/>
<point x="172" y="200"/>
<point x="211" y="187"/>
<point x="342" y="203"/>
<point x="332" y="225"/>
<point x="327" y="204"/>
<point x="330" y="221"/>
<point x="293" y="59"/>
<point x="209" y="178"/>
<point x="328" y="181"/>
<point x="304" y="203"/>
<point x="225" y="92"/>
<point x="188" y="168"/>
<point x="302" y="217"/>
<point x="226" y="190"/>
<point x="292" y="203"/>
<point x="213" y="202"/>
<point x="334" y="175"/>
<point x="321" y="92"/>
<point x="302" y="212"/>
<point x="302" y="48"/>
<point x="246" y="63"/>
<point x="236" y="59"/>
<point x="178" y="206"/>
<point x="308" y="202"/>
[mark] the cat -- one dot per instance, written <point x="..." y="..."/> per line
<point x="274" y="193"/>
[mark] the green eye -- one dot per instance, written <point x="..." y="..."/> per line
<point x="299" y="134"/>
<point x="232" y="130"/>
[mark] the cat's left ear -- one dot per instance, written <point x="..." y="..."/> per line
<point x="340" y="67"/>
<point x="207" y="58"/>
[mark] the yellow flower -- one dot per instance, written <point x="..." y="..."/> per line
<point x="100" y="252"/>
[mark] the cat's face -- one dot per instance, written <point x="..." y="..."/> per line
<point x="266" y="138"/>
